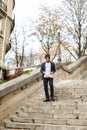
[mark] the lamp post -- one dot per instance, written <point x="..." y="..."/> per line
<point x="59" y="47"/>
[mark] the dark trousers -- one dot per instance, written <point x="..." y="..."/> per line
<point x="45" y="82"/>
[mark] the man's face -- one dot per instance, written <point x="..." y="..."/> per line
<point x="47" y="59"/>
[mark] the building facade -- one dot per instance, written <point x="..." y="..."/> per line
<point x="6" y="27"/>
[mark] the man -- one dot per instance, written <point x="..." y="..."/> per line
<point x="47" y="70"/>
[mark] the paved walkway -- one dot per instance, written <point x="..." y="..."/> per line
<point x="68" y="112"/>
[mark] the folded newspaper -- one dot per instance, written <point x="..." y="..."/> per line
<point x="48" y="75"/>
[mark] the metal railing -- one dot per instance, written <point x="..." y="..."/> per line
<point x="3" y="6"/>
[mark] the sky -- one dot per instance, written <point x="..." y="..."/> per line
<point x="30" y="8"/>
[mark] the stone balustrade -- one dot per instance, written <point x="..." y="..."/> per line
<point x="73" y="70"/>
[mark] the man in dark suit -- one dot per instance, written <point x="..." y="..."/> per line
<point x="47" y="70"/>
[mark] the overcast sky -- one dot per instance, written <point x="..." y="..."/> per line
<point x="30" y="8"/>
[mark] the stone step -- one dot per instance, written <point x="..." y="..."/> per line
<point x="33" y="114"/>
<point x="64" y="128"/>
<point x="71" y="89"/>
<point x="62" y="121"/>
<point x="54" y="121"/>
<point x="48" y="110"/>
<point x="68" y="105"/>
<point x="15" y="125"/>
<point x="38" y="120"/>
<point x="55" y="111"/>
<point x="48" y="115"/>
<point x="49" y="104"/>
<point x="69" y="86"/>
<point x="82" y="125"/>
<point x="67" y="90"/>
<point x="54" y="115"/>
<point x="38" y="104"/>
<point x="3" y="128"/>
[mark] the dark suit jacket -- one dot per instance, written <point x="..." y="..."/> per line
<point x="43" y="68"/>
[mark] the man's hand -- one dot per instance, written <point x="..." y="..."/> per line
<point x="51" y="72"/>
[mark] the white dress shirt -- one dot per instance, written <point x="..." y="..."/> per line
<point x="48" y="73"/>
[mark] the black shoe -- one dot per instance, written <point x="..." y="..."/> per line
<point x="47" y="100"/>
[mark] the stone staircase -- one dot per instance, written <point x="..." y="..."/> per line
<point x="67" y="112"/>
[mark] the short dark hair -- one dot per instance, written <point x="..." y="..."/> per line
<point x="47" y="55"/>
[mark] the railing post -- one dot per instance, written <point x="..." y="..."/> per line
<point x="59" y="48"/>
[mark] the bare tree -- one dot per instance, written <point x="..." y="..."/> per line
<point x="74" y="17"/>
<point x="19" y="42"/>
<point x="47" y="28"/>
<point x="24" y="43"/>
<point x="30" y="58"/>
<point x="15" y="48"/>
<point x="48" y="24"/>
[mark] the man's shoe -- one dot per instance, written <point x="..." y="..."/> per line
<point x="47" y="100"/>
<point x="52" y="99"/>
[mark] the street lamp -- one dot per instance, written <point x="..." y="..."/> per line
<point x="59" y="48"/>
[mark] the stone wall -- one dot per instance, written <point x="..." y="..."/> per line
<point x="19" y="90"/>
<point x="13" y="93"/>
<point x="72" y="71"/>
